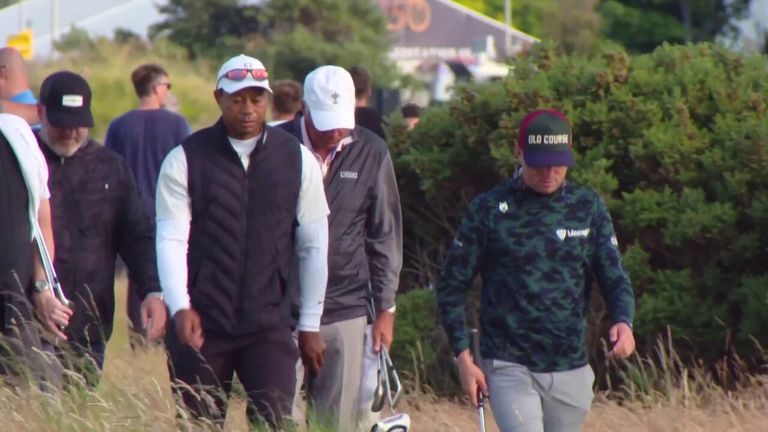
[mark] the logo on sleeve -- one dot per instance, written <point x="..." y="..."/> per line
<point x="614" y="241"/>
<point x="563" y="233"/>
<point x="503" y="207"/>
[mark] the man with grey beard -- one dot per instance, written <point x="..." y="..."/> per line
<point x="97" y="215"/>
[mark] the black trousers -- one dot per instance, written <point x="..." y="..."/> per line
<point x="265" y="365"/>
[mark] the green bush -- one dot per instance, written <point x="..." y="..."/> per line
<point x="420" y="351"/>
<point x="676" y="141"/>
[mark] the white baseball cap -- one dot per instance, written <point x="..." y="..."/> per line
<point x="242" y="72"/>
<point x="329" y="93"/>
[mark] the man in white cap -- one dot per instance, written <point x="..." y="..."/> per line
<point x="241" y="219"/>
<point x="365" y="255"/>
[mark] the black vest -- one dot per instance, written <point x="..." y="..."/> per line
<point x="242" y="260"/>
<point x="17" y="249"/>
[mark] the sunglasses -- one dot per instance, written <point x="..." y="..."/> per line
<point x="167" y="84"/>
<point x="241" y="74"/>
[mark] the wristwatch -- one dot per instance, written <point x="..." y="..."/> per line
<point x="42" y="286"/>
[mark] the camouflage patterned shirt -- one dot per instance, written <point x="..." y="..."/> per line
<point x="536" y="255"/>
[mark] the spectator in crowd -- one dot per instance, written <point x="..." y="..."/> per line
<point x="365" y="241"/>
<point x="411" y="115"/>
<point x="365" y="116"/>
<point x="537" y="241"/>
<point x="15" y="94"/>
<point x="241" y="219"/>
<point x="143" y="137"/>
<point x="286" y="101"/>
<point x="98" y="215"/>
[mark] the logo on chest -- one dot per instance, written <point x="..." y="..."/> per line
<point x="563" y="233"/>
<point x="348" y="175"/>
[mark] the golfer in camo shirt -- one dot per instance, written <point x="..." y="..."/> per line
<point x="537" y="241"/>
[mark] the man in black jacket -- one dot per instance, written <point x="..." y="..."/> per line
<point x="98" y="214"/>
<point x="365" y="247"/>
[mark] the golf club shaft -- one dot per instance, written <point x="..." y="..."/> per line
<point x="50" y="271"/>
<point x="474" y="338"/>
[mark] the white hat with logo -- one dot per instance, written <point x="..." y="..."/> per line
<point x="241" y="72"/>
<point x="329" y="93"/>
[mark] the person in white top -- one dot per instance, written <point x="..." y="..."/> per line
<point x="24" y="201"/>
<point x="241" y="220"/>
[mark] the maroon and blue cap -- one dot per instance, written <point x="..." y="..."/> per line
<point x="545" y="139"/>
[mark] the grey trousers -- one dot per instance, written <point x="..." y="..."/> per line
<point x="366" y="417"/>
<point x="524" y="401"/>
<point x="334" y="392"/>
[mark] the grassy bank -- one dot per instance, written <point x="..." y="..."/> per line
<point x="134" y="396"/>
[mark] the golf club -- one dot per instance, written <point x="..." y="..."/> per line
<point x="388" y="383"/>
<point x="50" y="272"/>
<point x="474" y="338"/>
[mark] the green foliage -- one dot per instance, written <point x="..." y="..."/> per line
<point x="676" y="141"/>
<point x="291" y="38"/>
<point x="308" y="33"/>
<point x="76" y="39"/>
<point x="107" y="66"/>
<point x="575" y="31"/>
<point x="421" y="352"/>
<point x="642" y="25"/>
<point x="214" y="29"/>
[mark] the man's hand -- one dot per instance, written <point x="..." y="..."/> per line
<point x="153" y="317"/>
<point x="312" y="348"/>
<point x="471" y="376"/>
<point x="189" y="329"/>
<point x="52" y="313"/>
<point x="383" y="330"/>
<point x="622" y="340"/>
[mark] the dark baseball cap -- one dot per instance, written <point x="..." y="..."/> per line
<point x="545" y="139"/>
<point x="66" y="97"/>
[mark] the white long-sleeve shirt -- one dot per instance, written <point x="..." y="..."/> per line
<point x="31" y="161"/>
<point x="174" y="214"/>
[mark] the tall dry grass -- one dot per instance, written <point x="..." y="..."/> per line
<point x="658" y="394"/>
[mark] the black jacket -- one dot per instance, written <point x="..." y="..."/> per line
<point x="365" y="226"/>
<point x="97" y="214"/>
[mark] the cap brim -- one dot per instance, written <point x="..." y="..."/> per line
<point x="328" y="120"/>
<point x="551" y="158"/>
<point x="70" y="119"/>
<point x="230" y="86"/>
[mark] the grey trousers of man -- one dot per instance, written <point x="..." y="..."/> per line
<point x="524" y="401"/>
<point x="368" y="381"/>
<point x="334" y="392"/>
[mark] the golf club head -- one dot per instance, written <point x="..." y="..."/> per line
<point x="396" y="423"/>
<point x="378" y="394"/>
<point x="394" y="387"/>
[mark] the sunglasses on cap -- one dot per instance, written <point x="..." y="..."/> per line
<point x="241" y="74"/>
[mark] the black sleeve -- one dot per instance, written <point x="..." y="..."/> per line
<point x="135" y="236"/>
